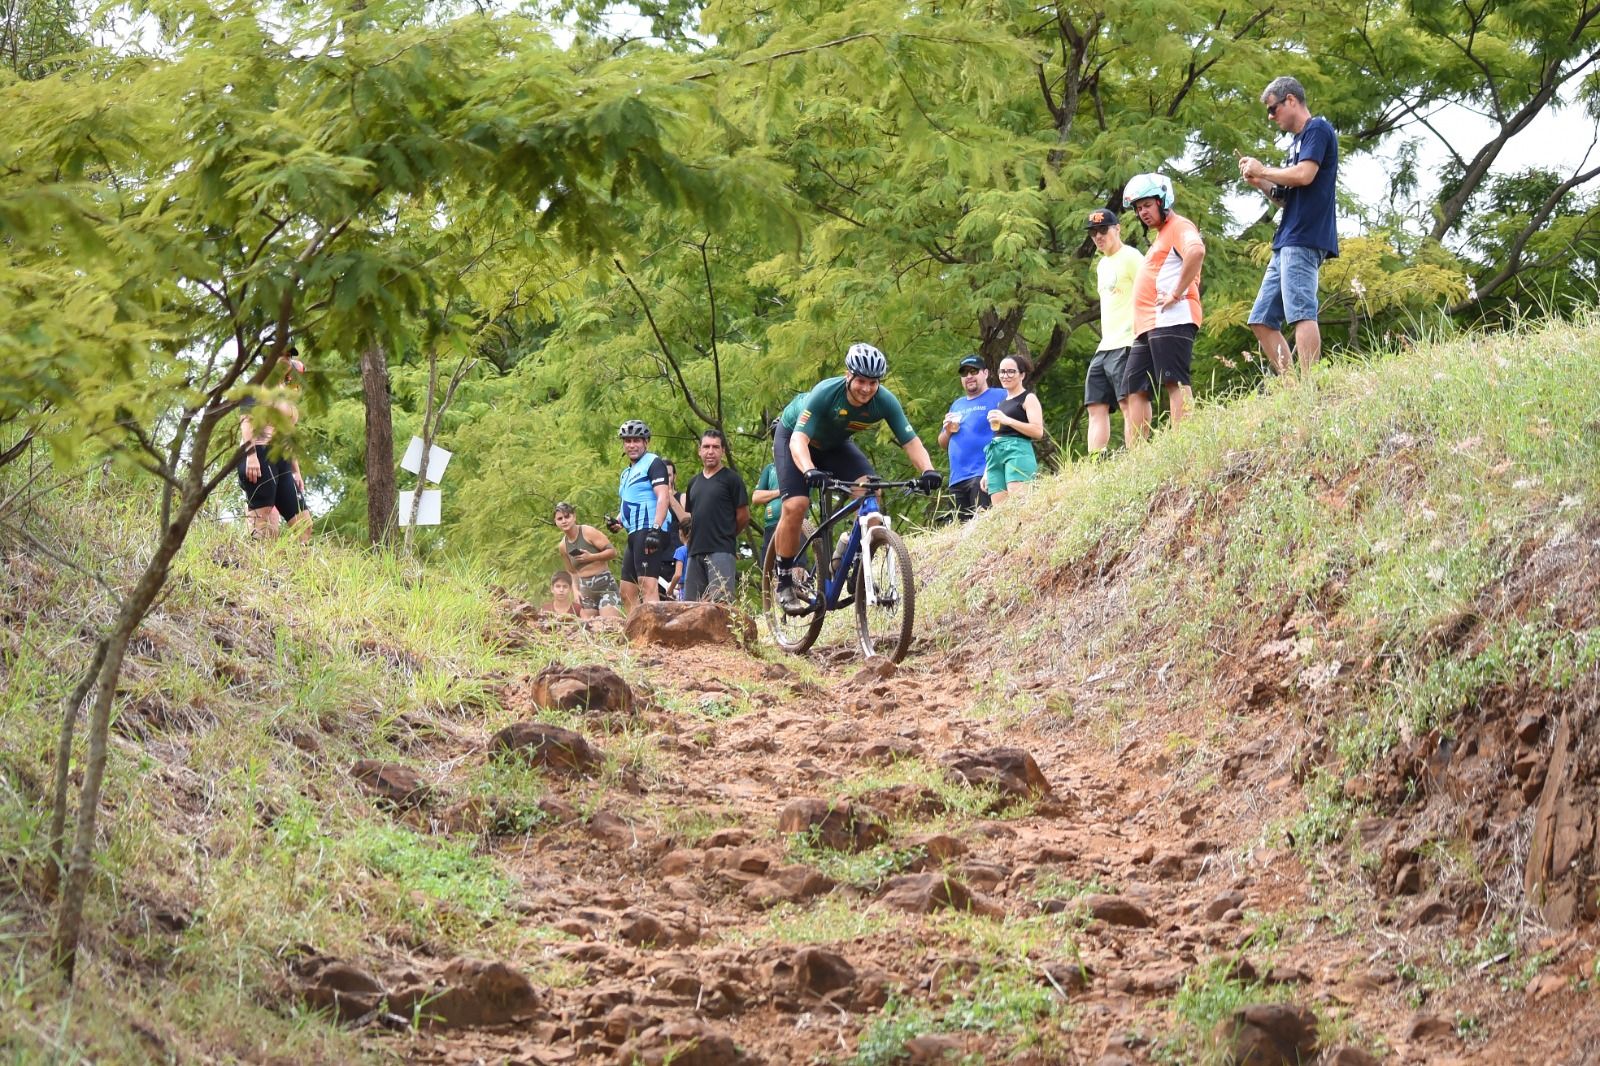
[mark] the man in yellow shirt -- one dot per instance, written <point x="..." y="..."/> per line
<point x="1115" y="272"/>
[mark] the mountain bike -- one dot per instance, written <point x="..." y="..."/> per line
<point x="868" y="568"/>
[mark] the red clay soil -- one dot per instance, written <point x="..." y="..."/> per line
<point x="655" y="893"/>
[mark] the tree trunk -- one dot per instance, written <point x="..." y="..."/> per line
<point x="381" y="494"/>
<point x="69" y="918"/>
<point x="55" y="856"/>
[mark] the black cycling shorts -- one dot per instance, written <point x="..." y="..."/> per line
<point x="274" y="488"/>
<point x="1160" y="357"/>
<point x="845" y="462"/>
<point x="637" y="564"/>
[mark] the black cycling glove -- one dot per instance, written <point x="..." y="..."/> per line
<point x="930" y="481"/>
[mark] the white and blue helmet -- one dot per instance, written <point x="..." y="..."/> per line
<point x="865" y="361"/>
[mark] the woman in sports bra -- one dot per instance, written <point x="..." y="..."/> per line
<point x="1017" y="423"/>
<point x="586" y="554"/>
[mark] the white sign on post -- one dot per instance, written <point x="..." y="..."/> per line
<point x="427" y="514"/>
<point x="438" y="459"/>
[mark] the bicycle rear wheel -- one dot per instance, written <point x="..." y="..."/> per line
<point x="795" y="633"/>
<point x="885" y="624"/>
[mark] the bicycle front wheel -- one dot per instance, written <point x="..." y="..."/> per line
<point x="886" y="621"/>
<point x="795" y="633"/>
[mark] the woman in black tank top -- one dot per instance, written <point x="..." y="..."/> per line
<point x="1017" y="423"/>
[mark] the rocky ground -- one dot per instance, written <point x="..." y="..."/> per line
<point x="827" y="860"/>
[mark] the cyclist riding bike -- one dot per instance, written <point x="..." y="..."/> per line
<point x="813" y="442"/>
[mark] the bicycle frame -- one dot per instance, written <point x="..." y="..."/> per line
<point x="865" y="506"/>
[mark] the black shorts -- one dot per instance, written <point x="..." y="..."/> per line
<point x="636" y="564"/>
<point x="1160" y="357"/>
<point x="970" y="496"/>
<point x="845" y="462"/>
<point x="1105" y="382"/>
<point x="274" y="488"/>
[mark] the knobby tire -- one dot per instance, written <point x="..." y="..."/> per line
<point x="885" y="626"/>
<point x="795" y="633"/>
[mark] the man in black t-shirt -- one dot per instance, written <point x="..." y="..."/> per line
<point x="720" y="508"/>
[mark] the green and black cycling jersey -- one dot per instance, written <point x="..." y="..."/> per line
<point x="828" y="418"/>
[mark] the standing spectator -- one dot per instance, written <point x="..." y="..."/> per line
<point x="680" y="563"/>
<point x="769" y="499"/>
<point x="1017" y="422"/>
<point x="1115" y="272"/>
<point x="1307" y="234"/>
<point x="966" y="433"/>
<point x="586" y="553"/>
<point x="563" y="604"/>
<point x="1166" y="305"/>
<point x="646" y="502"/>
<point x="719" y="509"/>
<point x="676" y="517"/>
<point x="274" y="489"/>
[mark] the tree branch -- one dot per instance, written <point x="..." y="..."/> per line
<point x="1513" y="259"/>
<point x="661" y="342"/>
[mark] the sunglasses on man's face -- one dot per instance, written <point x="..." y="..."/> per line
<point x="968" y="371"/>
<point x="1272" y="109"/>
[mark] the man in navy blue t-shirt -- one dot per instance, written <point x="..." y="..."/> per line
<point x="1304" y="187"/>
<point x="965" y="433"/>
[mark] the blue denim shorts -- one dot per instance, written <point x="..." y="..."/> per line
<point x="1289" y="289"/>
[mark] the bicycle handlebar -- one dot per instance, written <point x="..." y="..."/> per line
<point x="870" y="485"/>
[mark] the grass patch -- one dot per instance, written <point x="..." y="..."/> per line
<point x="829" y="920"/>
<point x="867" y="869"/>
<point x="1014" y="1014"/>
<point x="1209" y="994"/>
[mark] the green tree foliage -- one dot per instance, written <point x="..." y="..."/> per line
<point x="1508" y="61"/>
<point x="37" y="36"/>
<point x="335" y="172"/>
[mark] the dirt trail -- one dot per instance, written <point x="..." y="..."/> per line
<point x="656" y="936"/>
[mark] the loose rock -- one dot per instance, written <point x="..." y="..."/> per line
<point x="926" y="893"/>
<point x="686" y="625"/>
<point x="1011" y="770"/>
<point x="1269" y="1034"/>
<point x="470" y="992"/>
<point x="593" y="688"/>
<point x="682" y="1043"/>
<point x="392" y="783"/>
<point x="820" y="973"/>
<point x="1117" y="910"/>
<point x="560" y="750"/>
<point x="841" y="826"/>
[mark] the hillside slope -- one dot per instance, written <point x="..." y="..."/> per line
<point x="1311" y="684"/>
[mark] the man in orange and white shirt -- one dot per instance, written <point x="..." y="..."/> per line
<point x="1166" y="305"/>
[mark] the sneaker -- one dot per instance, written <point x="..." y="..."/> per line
<point x="792" y="600"/>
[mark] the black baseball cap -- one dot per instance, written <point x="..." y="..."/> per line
<point x="971" y="362"/>
<point x="1101" y="217"/>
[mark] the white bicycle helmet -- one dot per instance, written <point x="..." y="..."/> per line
<point x="865" y="361"/>
<point x="1144" y="186"/>
<point x="633" y="427"/>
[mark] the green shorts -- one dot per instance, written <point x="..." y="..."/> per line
<point x="1010" y="462"/>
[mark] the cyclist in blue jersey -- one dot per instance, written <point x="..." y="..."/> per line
<point x="645" y="506"/>
<point x="813" y="443"/>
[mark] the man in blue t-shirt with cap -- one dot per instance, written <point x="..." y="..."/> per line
<point x="1307" y="234"/>
<point x="966" y="433"/>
